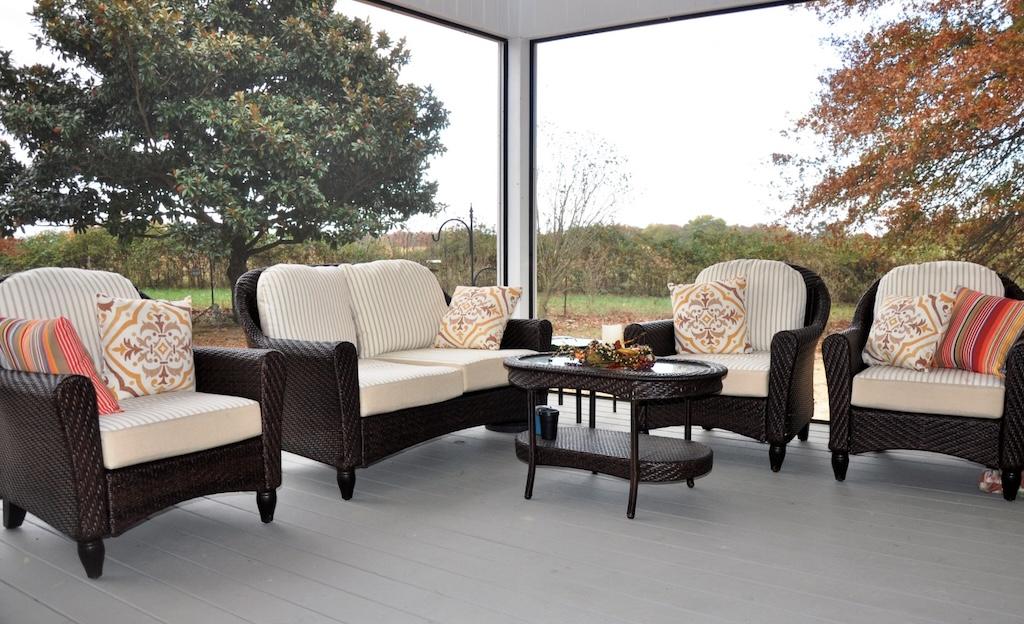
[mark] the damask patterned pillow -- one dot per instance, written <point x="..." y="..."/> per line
<point x="477" y="317"/>
<point x="710" y="317"/>
<point x="907" y="330"/>
<point x="147" y="345"/>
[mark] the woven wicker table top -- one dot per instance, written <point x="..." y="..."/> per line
<point x="667" y="380"/>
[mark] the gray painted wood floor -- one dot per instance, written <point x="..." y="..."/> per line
<point x="441" y="533"/>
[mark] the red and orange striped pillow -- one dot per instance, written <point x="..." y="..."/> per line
<point x="982" y="329"/>
<point x="51" y="346"/>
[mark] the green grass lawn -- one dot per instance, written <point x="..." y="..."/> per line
<point x="200" y="296"/>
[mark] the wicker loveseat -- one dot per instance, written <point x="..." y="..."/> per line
<point x="970" y="415"/>
<point x="767" y="395"/>
<point x="93" y="477"/>
<point x="367" y="383"/>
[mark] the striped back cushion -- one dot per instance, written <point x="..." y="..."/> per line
<point x="50" y="292"/>
<point x="914" y="280"/>
<point x="50" y="346"/>
<point x="397" y="305"/>
<point x="299" y="302"/>
<point x="776" y="296"/>
<point x="981" y="333"/>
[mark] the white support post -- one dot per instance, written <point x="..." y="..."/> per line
<point x="516" y="236"/>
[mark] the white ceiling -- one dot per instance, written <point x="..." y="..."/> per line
<point x="533" y="19"/>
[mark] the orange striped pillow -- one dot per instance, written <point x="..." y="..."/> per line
<point x="982" y="329"/>
<point x="51" y="346"/>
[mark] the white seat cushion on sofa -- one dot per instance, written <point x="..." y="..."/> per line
<point x="170" y="424"/>
<point x="300" y="302"/>
<point x="50" y="292"/>
<point x="943" y="391"/>
<point x="915" y="280"/>
<point x="397" y="305"/>
<point x="776" y="296"/>
<point x="480" y="368"/>
<point x="391" y="386"/>
<point x="748" y="372"/>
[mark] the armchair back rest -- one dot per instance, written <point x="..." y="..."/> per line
<point x="50" y="292"/>
<point x="397" y="305"/>
<point x="912" y="280"/>
<point x="776" y="296"/>
<point x="300" y="302"/>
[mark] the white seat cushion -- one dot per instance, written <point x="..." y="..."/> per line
<point x="943" y="391"/>
<point x="51" y="292"/>
<point x="776" y="296"/>
<point x="170" y="424"/>
<point x="748" y="372"/>
<point x="299" y="302"/>
<point x="390" y="386"/>
<point x="914" y="280"/>
<point x="397" y="305"/>
<point x="480" y="369"/>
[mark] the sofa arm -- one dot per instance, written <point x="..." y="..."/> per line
<point x="842" y="355"/>
<point x="658" y="335"/>
<point x="532" y="334"/>
<point x="791" y="382"/>
<point x="255" y="374"/>
<point x="1012" y="452"/>
<point x="51" y="460"/>
<point x="322" y="400"/>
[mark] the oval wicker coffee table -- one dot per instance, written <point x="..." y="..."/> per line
<point x="639" y="458"/>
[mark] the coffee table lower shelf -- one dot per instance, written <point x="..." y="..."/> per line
<point x="662" y="459"/>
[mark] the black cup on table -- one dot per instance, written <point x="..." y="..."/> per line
<point x="546" y="422"/>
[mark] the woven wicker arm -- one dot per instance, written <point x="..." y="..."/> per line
<point x="258" y="375"/>
<point x="51" y="461"/>
<point x="1012" y="451"/>
<point x="532" y="334"/>
<point x="791" y="382"/>
<point x="842" y="357"/>
<point x="321" y="404"/>
<point x="658" y="335"/>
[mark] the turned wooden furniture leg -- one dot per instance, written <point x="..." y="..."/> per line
<point x="804" y="433"/>
<point x="266" y="501"/>
<point x="13" y="515"/>
<point x="531" y="426"/>
<point x="1011" y="483"/>
<point x="634" y="457"/>
<point x="91" y="555"/>
<point x="776" y="453"/>
<point x="347" y="483"/>
<point x="840" y="462"/>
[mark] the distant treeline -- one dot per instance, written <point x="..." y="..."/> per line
<point x="618" y="259"/>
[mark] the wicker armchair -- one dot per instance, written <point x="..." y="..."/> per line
<point x="786" y="410"/>
<point x="323" y="419"/>
<point x="52" y="452"/>
<point x="996" y="442"/>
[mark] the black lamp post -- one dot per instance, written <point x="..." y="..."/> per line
<point x="473" y="273"/>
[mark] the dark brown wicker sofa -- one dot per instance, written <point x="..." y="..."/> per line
<point x="365" y="382"/>
<point x="969" y="415"/>
<point x="74" y="470"/>
<point x="768" y="395"/>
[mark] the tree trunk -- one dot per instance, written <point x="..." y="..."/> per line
<point x="238" y="264"/>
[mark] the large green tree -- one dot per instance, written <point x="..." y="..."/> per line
<point x="257" y="123"/>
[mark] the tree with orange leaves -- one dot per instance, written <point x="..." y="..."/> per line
<point x="923" y="127"/>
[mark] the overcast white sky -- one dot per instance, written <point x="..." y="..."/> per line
<point x="696" y="106"/>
